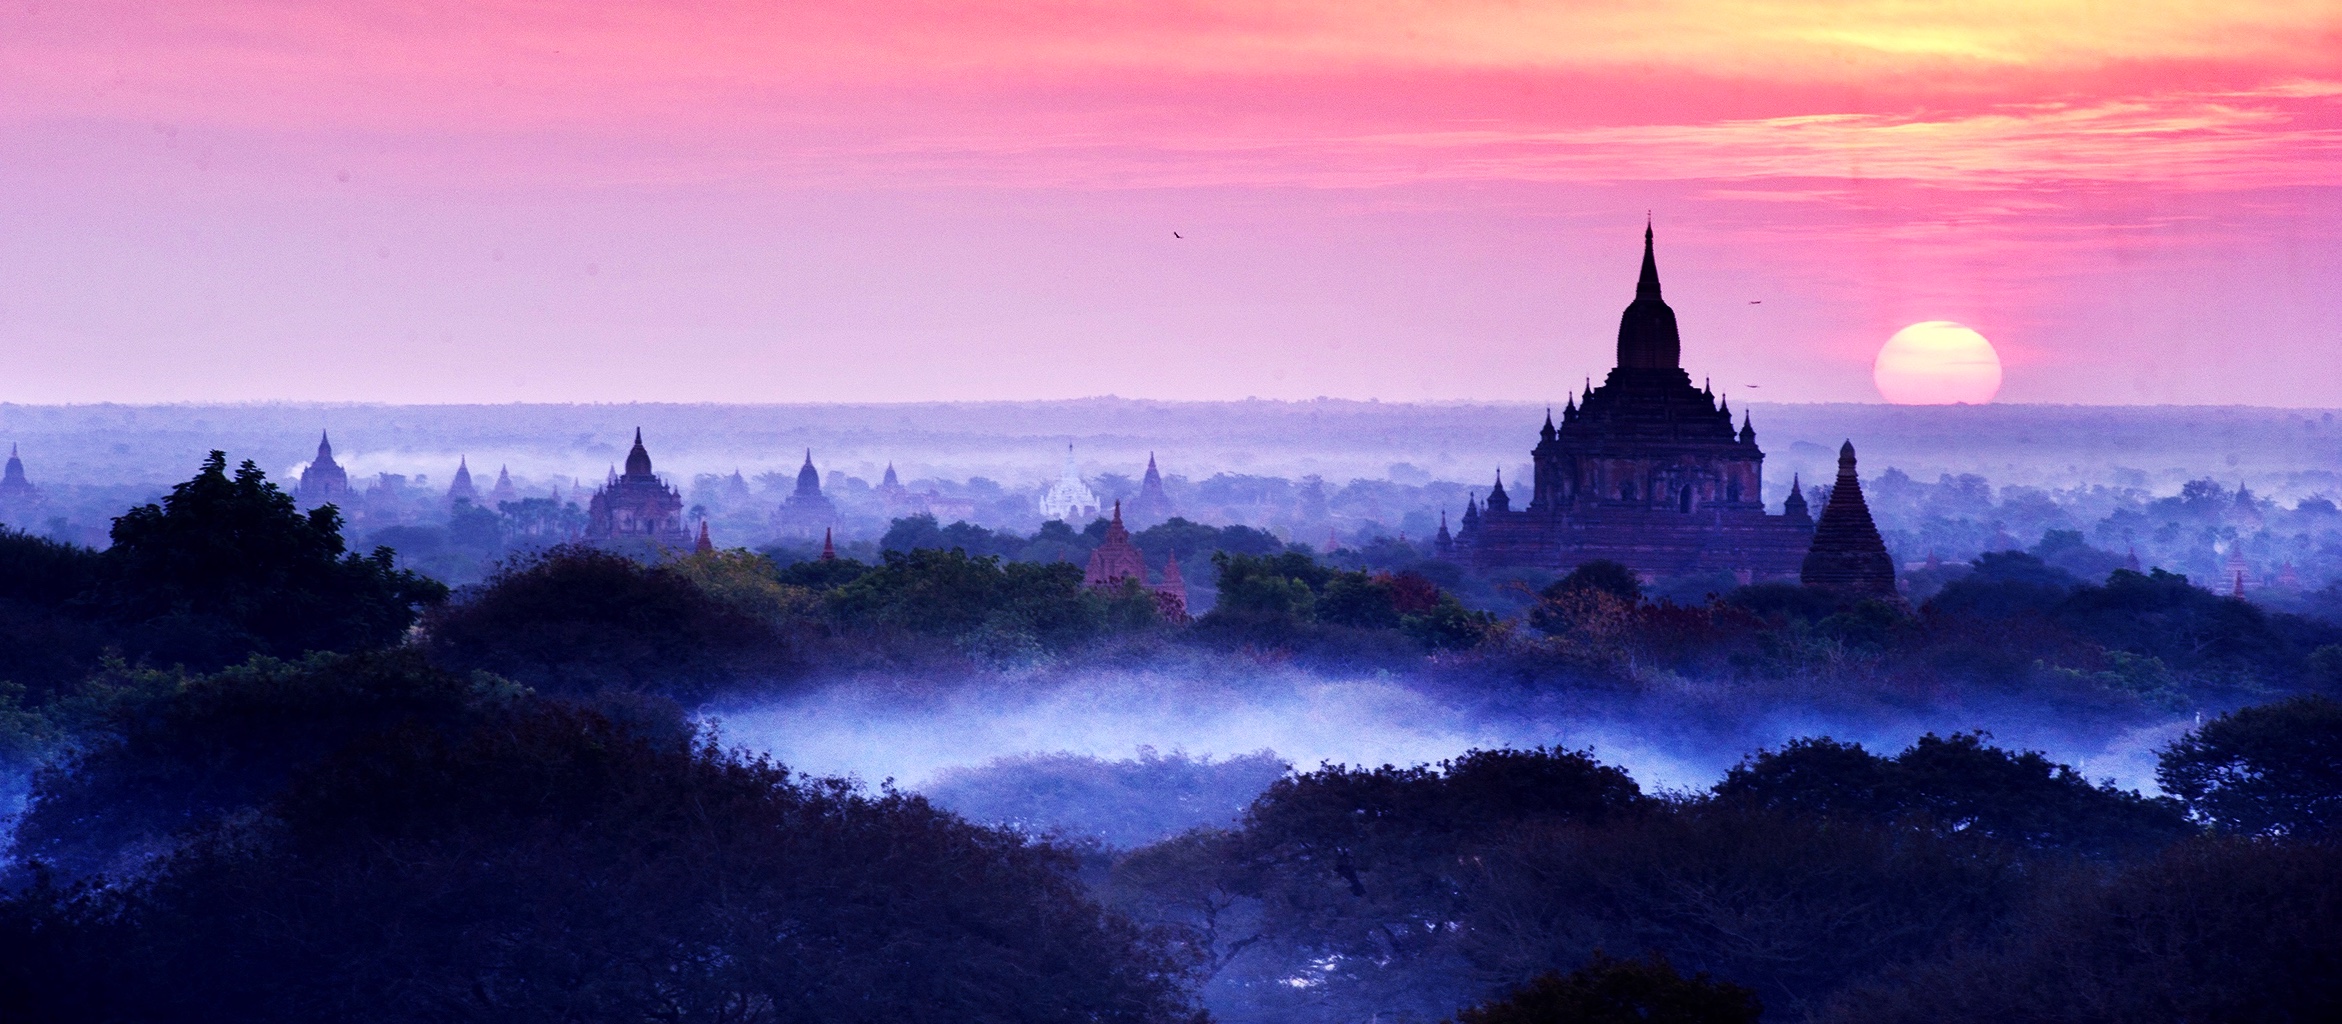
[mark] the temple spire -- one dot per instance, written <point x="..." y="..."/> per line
<point x="1647" y="337"/>
<point x="1848" y="556"/>
<point x="1648" y="286"/>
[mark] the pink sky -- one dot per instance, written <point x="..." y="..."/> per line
<point x="498" y="201"/>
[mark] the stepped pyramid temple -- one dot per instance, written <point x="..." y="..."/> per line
<point x="1847" y="555"/>
<point x="637" y="506"/>
<point x="1646" y="470"/>
<point x="1116" y="559"/>
<point x="324" y="481"/>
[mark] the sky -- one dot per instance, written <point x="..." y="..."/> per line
<point x="704" y="200"/>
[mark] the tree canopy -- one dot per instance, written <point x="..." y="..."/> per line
<point x="2270" y="770"/>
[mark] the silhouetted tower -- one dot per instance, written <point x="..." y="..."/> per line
<point x="1848" y="556"/>
<point x="1647" y="338"/>
<point x="324" y="480"/>
<point x="14" y="487"/>
<point x="1153" y="506"/>
<point x="462" y="489"/>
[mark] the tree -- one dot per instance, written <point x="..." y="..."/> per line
<point x="2210" y="930"/>
<point x="164" y="754"/>
<point x="575" y="619"/>
<point x="2271" y="770"/>
<point x="1612" y="991"/>
<point x="955" y="595"/>
<point x="551" y="864"/>
<point x="223" y="567"/>
<point x="1603" y="575"/>
<point x="49" y="637"/>
<point x="1361" y="876"/>
<point x="1956" y="784"/>
<point x="1272" y="593"/>
<point x="2006" y="583"/>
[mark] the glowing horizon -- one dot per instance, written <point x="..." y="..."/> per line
<point x="245" y="199"/>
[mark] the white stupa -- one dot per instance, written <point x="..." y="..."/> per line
<point x="1069" y="498"/>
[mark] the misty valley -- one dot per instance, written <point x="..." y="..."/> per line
<point x="1149" y="747"/>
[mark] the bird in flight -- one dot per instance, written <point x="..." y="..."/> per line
<point x="1176" y="234"/>
<point x="1756" y="302"/>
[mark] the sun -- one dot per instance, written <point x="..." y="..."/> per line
<point x="1937" y="362"/>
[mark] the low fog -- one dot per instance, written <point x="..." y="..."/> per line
<point x="1680" y="736"/>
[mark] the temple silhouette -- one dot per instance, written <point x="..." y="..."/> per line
<point x="1649" y="471"/>
<point x="637" y="507"/>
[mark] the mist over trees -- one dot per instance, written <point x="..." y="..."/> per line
<point x="266" y="777"/>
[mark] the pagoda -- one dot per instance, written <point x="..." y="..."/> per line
<point x="1116" y="560"/>
<point x="323" y="481"/>
<point x="1646" y="470"/>
<point x="637" y="506"/>
<point x="1848" y="557"/>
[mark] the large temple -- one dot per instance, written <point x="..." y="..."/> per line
<point x="1646" y="470"/>
<point x="637" y="507"/>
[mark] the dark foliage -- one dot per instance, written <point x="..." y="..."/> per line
<point x="1412" y="890"/>
<point x="1357" y="878"/>
<point x="1601" y="574"/>
<point x="1793" y="907"/>
<point x="1956" y="784"/>
<point x="1283" y="600"/>
<point x="1785" y="602"/>
<point x="1613" y="991"/>
<point x="953" y="594"/>
<point x="2272" y="770"/>
<point x="551" y="865"/>
<point x="2161" y="615"/>
<point x="174" y="756"/>
<point x="2209" y="931"/>
<point x="2004" y="584"/>
<point x="223" y="567"/>
<point x="48" y="637"/>
<point x="575" y="619"/>
<point x="820" y="575"/>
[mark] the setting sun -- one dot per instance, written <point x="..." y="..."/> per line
<point x="1937" y="362"/>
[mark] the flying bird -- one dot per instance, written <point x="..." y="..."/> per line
<point x="1175" y="234"/>
<point x="1756" y="302"/>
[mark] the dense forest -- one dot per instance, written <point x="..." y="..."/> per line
<point x="260" y="776"/>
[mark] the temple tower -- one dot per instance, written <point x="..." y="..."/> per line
<point x="323" y="481"/>
<point x="1847" y="556"/>
<point x="1153" y="506"/>
<point x="462" y="489"/>
<point x="637" y="506"/>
